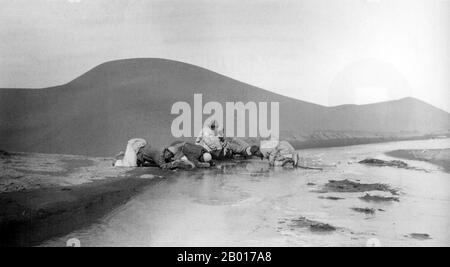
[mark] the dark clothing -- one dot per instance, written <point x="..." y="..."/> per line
<point x="193" y="153"/>
<point x="154" y="157"/>
<point x="221" y="154"/>
<point x="146" y="154"/>
<point x="237" y="146"/>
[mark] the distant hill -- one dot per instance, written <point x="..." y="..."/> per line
<point x="99" y="111"/>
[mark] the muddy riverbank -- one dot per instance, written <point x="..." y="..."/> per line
<point x="43" y="196"/>
<point x="440" y="157"/>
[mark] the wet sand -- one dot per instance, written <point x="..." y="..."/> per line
<point x="43" y="196"/>
<point x="248" y="204"/>
<point x="48" y="199"/>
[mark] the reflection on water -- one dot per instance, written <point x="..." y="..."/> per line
<point x="249" y="204"/>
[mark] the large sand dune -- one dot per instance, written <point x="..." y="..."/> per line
<point x="99" y="111"/>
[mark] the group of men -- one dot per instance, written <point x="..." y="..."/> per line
<point x="210" y="145"/>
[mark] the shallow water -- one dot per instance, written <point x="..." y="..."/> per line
<point x="248" y="204"/>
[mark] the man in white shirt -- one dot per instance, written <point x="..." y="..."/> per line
<point x="211" y="138"/>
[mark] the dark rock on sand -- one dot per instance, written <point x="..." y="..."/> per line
<point x="419" y="236"/>
<point x="313" y="226"/>
<point x="347" y="186"/>
<point x="382" y="163"/>
<point x="331" y="198"/>
<point x="371" y="198"/>
<point x="365" y="210"/>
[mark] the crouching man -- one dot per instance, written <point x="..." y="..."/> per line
<point x="235" y="147"/>
<point x="195" y="155"/>
<point x="279" y="153"/>
<point x="177" y="156"/>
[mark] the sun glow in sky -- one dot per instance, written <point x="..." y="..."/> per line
<point x="326" y="52"/>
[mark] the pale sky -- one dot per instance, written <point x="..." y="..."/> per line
<point x="327" y="52"/>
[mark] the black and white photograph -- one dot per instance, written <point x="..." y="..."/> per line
<point x="225" y="124"/>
